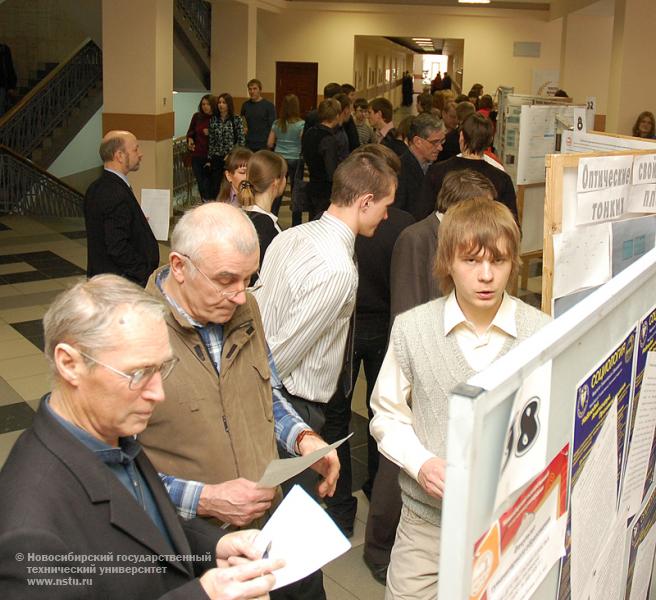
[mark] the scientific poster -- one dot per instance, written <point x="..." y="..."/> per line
<point x="521" y="547"/>
<point x="641" y="550"/>
<point x="604" y="391"/>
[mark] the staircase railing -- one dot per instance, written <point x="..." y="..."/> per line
<point x="199" y="16"/>
<point x="45" y="107"/>
<point x="27" y="189"/>
<point x="183" y="176"/>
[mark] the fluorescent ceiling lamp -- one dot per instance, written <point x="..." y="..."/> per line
<point x="422" y="39"/>
<point x="474" y="1"/>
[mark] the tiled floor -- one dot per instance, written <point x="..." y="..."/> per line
<point x="39" y="258"/>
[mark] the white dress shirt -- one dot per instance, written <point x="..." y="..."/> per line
<point x="392" y="423"/>
<point x="309" y="282"/>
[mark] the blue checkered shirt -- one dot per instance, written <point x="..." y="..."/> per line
<point x="287" y="424"/>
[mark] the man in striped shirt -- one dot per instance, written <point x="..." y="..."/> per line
<point x="309" y="282"/>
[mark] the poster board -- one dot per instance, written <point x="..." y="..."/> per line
<point x="539" y="128"/>
<point x="479" y="413"/>
<point x="560" y="211"/>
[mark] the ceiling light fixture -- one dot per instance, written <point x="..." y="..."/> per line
<point x="474" y="1"/>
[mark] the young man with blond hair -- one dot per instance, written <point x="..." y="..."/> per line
<point x="433" y="347"/>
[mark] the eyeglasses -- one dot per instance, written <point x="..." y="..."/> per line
<point x="229" y="293"/>
<point x="139" y="377"/>
<point x="438" y="142"/>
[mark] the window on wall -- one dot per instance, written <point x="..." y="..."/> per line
<point x="434" y="64"/>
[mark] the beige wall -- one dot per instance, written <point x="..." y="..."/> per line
<point x="372" y="54"/>
<point x="37" y="31"/>
<point x="327" y="37"/>
<point x="586" y="58"/>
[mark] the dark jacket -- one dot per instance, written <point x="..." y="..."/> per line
<point x="451" y="146"/>
<point x="411" y="179"/>
<point x="411" y="274"/>
<point x="351" y="133"/>
<point x="119" y="239"/>
<point x="437" y="171"/>
<point x="7" y="73"/>
<point x="57" y="498"/>
<point x="319" y="148"/>
<point x="393" y="143"/>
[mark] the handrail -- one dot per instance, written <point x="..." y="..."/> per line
<point x="27" y="189"/>
<point x="49" y="103"/>
<point x="25" y="100"/>
<point x="199" y="15"/>
<point x="183" y="176"/>
<point x="28" y="163"/>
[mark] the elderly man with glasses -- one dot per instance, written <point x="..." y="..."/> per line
<point x="83" y="513"/>
<point x="425" y="138"/>
<point x="214" y="438"/>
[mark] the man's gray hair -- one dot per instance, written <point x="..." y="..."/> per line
<point x="84" y="316"/>
<point x="423" y="125"/>
<point x="214" y="223"/>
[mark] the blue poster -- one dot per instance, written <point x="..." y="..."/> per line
<point x="640" y="529"/>
<point x="610" y="381"/>
<point x="646" y="343"/>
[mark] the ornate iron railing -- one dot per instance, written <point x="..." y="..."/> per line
<point x="27" y="189"/>
<point x="199" y="15"/>
<point x="45" y="107"/>
<point x="184" y="189"/>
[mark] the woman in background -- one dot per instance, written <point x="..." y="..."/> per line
<point x="236" y="164"/>
<point x="226" y="132"/>
<point x="198" y="144"/>
<point x="285" y="138"/>
<point x="266" y="179"/>
<point x="645" y="126"/>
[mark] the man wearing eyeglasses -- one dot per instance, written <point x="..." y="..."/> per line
<point x="83" y="513"/>
<point x="214" y="439"/>
<point x="425" y="138"/>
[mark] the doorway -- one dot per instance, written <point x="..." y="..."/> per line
<point x="298" y="78"/>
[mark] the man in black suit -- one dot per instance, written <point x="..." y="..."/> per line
<point x="80" y="503"/>
<point x="425" y="138"/>
<point x="119" y="239"/>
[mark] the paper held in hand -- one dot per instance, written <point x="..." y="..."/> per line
<point x="303" y="535"/>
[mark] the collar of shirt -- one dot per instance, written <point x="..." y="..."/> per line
<point x="340" y="228"/>
<point x="422" y="163"/>
<point x="118" y="174"/>
<point x="211" y="334"/>
<point x="259" y="209"/>
<point x="439" y="216"/>
<point x="383" y="131"/>
<point x="127" y="450"/>
<point x="503" y="320"/>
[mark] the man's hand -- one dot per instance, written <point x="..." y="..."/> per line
<point x="237" y="502"/>
<point x="249" y="580"/>
<point x="191" y="144"/>
<point x="328" y="466"/>
<point x="237" y="548"/>
<point x="431" y="477"/>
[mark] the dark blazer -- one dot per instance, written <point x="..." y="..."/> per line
<point x="411" y="274"/>
<point x="397" y="146"/>
<point x="411" y="178"/>
<point x="451" y="146"/>
<point x="119" y="239"/>
<point x="57" y="497"/>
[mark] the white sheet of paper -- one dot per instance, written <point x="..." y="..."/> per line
<point x="604" y="172"/>
<point x="593" y="505"/>
<point x="642" y="569"/>
<point x="642" y="198"/>
<point x="302" y="534"/>
<point x="528" y="560"/>
<point x="582" y="258"/>
<point x="607" y="578"/>
<point x="156" y="205"/>
<point x="644" y="169"/>
<point x="521" y="463"/>
<point x="641" y="441"/>
<point x="280" y="470"/>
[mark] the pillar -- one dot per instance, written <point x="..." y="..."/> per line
<point x="632" y="87"/>
<point x="138" y="83"/>
<point x="234" y="49"/>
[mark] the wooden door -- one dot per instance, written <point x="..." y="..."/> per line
<point x="298" y="78"/>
